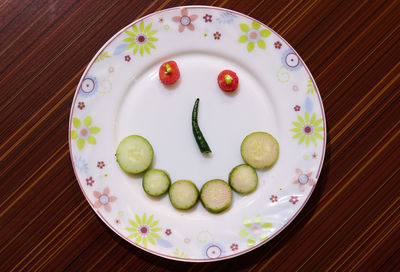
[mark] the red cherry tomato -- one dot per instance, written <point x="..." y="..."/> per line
<point x="228" y="81"/>
<point x="169" y="72"/>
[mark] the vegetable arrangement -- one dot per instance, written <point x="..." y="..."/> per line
<point x="156" y="182"/>
<point x="216" y="195"/>
<point x="228" y="81"/>
<point x="183" y="194"/>
<point x="243" y="179"/>
<point x="169" y="72"/>
<point x="134" y="154"/>
<point x="198" y="135"/>
<point x="258" y="149"/>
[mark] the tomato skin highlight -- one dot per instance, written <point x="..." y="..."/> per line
<point x="169" y="72"/>
<point x="228" y="81"/>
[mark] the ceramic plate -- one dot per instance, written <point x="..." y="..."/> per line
<point x="120" y="94"/>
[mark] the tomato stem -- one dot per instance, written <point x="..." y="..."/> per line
<point x="228" y="79"/>
<point x="168" y="68"/>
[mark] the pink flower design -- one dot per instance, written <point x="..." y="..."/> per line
<point x="273" y="198"/>
<point x="314" y="155"/>
<point x="168" y="232"/>
<point x="295" y="88"/>
<point x="104" y="199"/>
<point x="101" y="164"/>
<point x="303" y="179"/>
<point x="127" y="58"/>
<point x="217" y="35"/>
<point x="117" y="221"/>
<point x="294" y="199"/>
<point x="161" y="20"/>
<point x="207" y="18"/>
<point x="185" y="20"/>
<point x="89" y="181"/>
<point x="81" y="105"/>
<point x="234" y="247"/>
<point x="110" y="69"/>
<point x="277" y="45"/>
<point x="297" y="108"/>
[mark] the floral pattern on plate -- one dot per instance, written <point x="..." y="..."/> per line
<point x="141" y="38"/>
<point x="144" y="230"/>
<point x="283" y="190"/>
<point x="84" y="132"/>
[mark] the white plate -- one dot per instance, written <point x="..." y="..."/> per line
<point x="120" y="94"/>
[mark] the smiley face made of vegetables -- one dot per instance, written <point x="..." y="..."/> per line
<point x="258" y="150"/>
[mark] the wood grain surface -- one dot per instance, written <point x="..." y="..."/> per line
<point x="351" y="222"/>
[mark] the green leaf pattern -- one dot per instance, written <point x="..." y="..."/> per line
<point x="103" y="55"/>
<point x="180" y="254"/>
<point x="310" y="86"/>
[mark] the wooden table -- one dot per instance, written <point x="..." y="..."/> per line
<point x="351" y="222"/>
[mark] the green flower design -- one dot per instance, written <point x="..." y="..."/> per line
<point x="180" y="254"/>
<point x="84" y="133"/>
<point x="255" y="230"/>
<point x="308" y="129"/>
<point x="102" y="56"/>
<point x="253" y="36"/>
<point x="310" y="86"/>
<point x="144" y="230"/>
<point x="141" y="39"/>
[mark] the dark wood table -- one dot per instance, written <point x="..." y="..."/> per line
<point x="351" y="222"/>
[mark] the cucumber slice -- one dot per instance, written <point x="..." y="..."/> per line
<point x="216" y="195"/>
<point x="259" y="150"/>
<point x="134" y="154"/>
<point x="243" y="179"/>
<point x="156" y="182"/>
<point x="183" y="194"/>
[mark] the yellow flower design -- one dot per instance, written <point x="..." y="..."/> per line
<point x="84" y="133"/>
<point x="255" y="231"/>
<point x="141" y="38"/>
<point x="308" y="129"/>
<point x="253" y="36"/>
<point x="310" y="86"/>
<point x="144" y="230"/>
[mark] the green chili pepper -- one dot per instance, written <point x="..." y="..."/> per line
<point x="198" y="135"/>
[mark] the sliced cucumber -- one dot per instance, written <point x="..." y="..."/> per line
<point x="134" y="154"/>
<point x="243" y="179"/>
<point x="260" y="150"/>
<point x="183" y="194"/>
<point x="156" y="182"/>
<point x="216" y="195"/>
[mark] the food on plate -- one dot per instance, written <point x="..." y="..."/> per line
<point x="216" y="195"/>
<point x="183" y="194"/>
<point x="156" y="182"/>
<point x="134" y="154"/>
<point x="198" y="135"/>
<point x="228" y="81"/>
<point x="169" y="72"/>
<point x="243" y="179"/>
<point x="260" y="150"/>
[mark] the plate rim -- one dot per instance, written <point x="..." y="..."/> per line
<point x="290" y="220"/>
